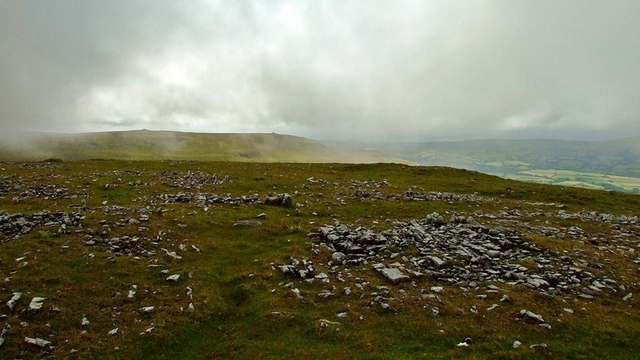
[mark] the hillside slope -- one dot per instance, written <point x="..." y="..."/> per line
<point x="165" y="145"/>
<point x="235" y="260"/>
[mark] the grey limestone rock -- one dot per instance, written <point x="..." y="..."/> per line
<point x="14" y="299"/>
<point x="284" y="200"/>
<point x="531" y="316"/>
<point x="37" y="342"/>
<point x="338" y="257"/>
<point x="248" y="223"/>
<point x="36" y="303"/>
<point x="394" y="275"/>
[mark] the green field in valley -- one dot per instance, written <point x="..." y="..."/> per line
<point x="579" y="179"/>
<point x="609" y="165"/>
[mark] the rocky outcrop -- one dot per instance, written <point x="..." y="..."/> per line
<point x="462" y="251"/>
<point x="284" y="200"/>
<point x="203" y="199"/>
<point x="16" y="225"/>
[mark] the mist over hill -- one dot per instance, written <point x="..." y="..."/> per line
<point x="165" y="145"/>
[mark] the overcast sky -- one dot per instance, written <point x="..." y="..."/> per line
<point x="340" y="70"/>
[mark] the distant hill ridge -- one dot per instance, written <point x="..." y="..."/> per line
<point x="165" y="145"/>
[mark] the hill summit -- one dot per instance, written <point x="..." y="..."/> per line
<point x="166" y="145"/>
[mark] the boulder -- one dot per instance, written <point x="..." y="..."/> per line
<point x="284" y="200"/>
<point x="250" y="223"/>
<point x="394" y="275"/>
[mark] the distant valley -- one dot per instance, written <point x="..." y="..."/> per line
<point x="609" y="165"/>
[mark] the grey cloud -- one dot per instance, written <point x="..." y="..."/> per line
<point x="374" y="70"/>
<point x="51" y="51"/>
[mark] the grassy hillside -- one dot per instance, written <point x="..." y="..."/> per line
<point x="100" y="242"/>
<point x="162" y="145"/>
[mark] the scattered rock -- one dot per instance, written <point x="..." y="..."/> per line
<point x="481" y="254"/>
<point x="325" y="294"/>
<point x="324" y="323"/>
<point x="528" y="315"/>
<point x="296" y="292"/>
<point x="36" y="303"/>
<point x="132" y="291"/>
<point x="5" y="329"/>
<point x="338" y="257"/>
<point x="147" y="309"/>
<point x="542" y="346"/>
<point x="16" y="225"/>
<point x="394" y="275"/>
<point x="249" y="223"/>
<point x="284" y="200"/>
<point x="172" y="254"/>
<point x="14" y="300"/>
<point x="37" y="342"/>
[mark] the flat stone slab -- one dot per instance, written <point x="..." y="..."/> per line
<point x="394" y="275"/>
<point x="250" y="223"/>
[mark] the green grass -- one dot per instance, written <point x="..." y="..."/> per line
<point x="236" y="291"/>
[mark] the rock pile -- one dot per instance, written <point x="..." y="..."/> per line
<point x="192" y="180"/>
<point x="284" y="200"/>
<point x="125" y="245"/>
<point x="48" y="192"/>
<point x="16" y="225"/>
<point x="411" y="195"/>
<point x="203" y="199"/>
<point x="361" y="192"/>
<point x="6" y="186"/>
<point x="462" y="252"/>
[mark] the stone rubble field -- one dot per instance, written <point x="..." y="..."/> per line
<point x="468" y="258"/>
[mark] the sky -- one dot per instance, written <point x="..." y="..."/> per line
<point x="365" y="71"/>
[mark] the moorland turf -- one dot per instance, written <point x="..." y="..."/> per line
<point x="231" y="299"/>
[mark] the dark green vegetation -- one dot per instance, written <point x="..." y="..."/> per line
<point x="583" y="163"/>
<point x="241" y="306"/>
